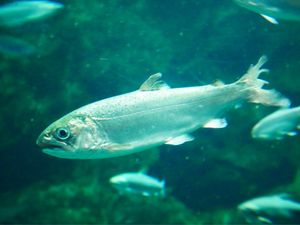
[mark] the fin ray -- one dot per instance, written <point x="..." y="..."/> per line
<point x="255" y="92"/>
<point x="154" y="83"/>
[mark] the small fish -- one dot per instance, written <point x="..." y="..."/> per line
<point x="264" y="209"/>
<point x="272" y="10"/>
<point x="151" y="116"/>
<point x="15" y="47"/>
<point x="138" y="183"/>
<point x="21" y="12"/>
<point x="281" y="123"/>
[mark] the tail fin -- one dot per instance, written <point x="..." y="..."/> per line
<point x="256" y="93"/>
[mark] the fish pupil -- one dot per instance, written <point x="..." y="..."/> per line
<point x="62" y="133"/>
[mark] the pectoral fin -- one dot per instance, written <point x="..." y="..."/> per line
<point x="154" y="83"/>
<point x="216" y="123"/>
<point x="179" y="140"/>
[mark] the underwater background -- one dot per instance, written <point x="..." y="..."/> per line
<point x="94" y="49"/>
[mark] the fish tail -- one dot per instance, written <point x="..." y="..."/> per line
<point x="256" y="94"/>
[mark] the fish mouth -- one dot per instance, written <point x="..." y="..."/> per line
<point x="46" y="142"/>
<point x="54" y="148"/>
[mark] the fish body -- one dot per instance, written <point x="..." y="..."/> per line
<point x="152" y="116"/>
<point x="263" y="209"/>
<point x="15" y="47"/>
<point x="20" y="12"/>
<point x="276" y="126"/>
<point x="139" y="184"/>
<point x="273" y="9"/>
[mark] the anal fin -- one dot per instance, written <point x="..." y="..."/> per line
<point x="216" y="123"/>
<point x="264" y="220"/>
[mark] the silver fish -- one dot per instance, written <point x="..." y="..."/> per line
<point x="276" y="126"/>
<point x="21" y="12"/>
<point x="151" y="116"/>
<point x="138" y="183"/>
<point x="264" y="209"/>
<point x="15" y="47"/>
<point x="273" y="9"/>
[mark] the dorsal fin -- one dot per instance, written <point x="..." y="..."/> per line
<point x="143" y="170"/>
<point x="218" y="83"/>
<point x="285" y="196"/>
<point x="154" y="83"/>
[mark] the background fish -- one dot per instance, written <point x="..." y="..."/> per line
<point x="264" y="209"/>
<point x="273" y="9"/>
<point x="21" y="12"/>
<point x="15" y="47"/>
<point x="152" y="116"/>
<point x="138" y="183"/>
<point x="277" y="125"/>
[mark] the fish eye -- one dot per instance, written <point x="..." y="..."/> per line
<point x="62" y="133"/>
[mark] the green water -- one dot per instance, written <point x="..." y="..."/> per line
<point x="94" y="49"/>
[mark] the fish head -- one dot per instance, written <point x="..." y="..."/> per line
<point x="248" y="206"/>
<point x="46" y="6"/>
<point x="120" y="182"/>
<point x="272" y="128"/>
<point x="119" y="179"/>
<point x="250" y="211"/>
<point x="69" y="137"/>
<point x="39" y="9"/>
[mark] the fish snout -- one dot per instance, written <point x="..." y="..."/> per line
<point x="117" y="180"/>
<point x="44" y="140"/>
<point x="39" y="140"/>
